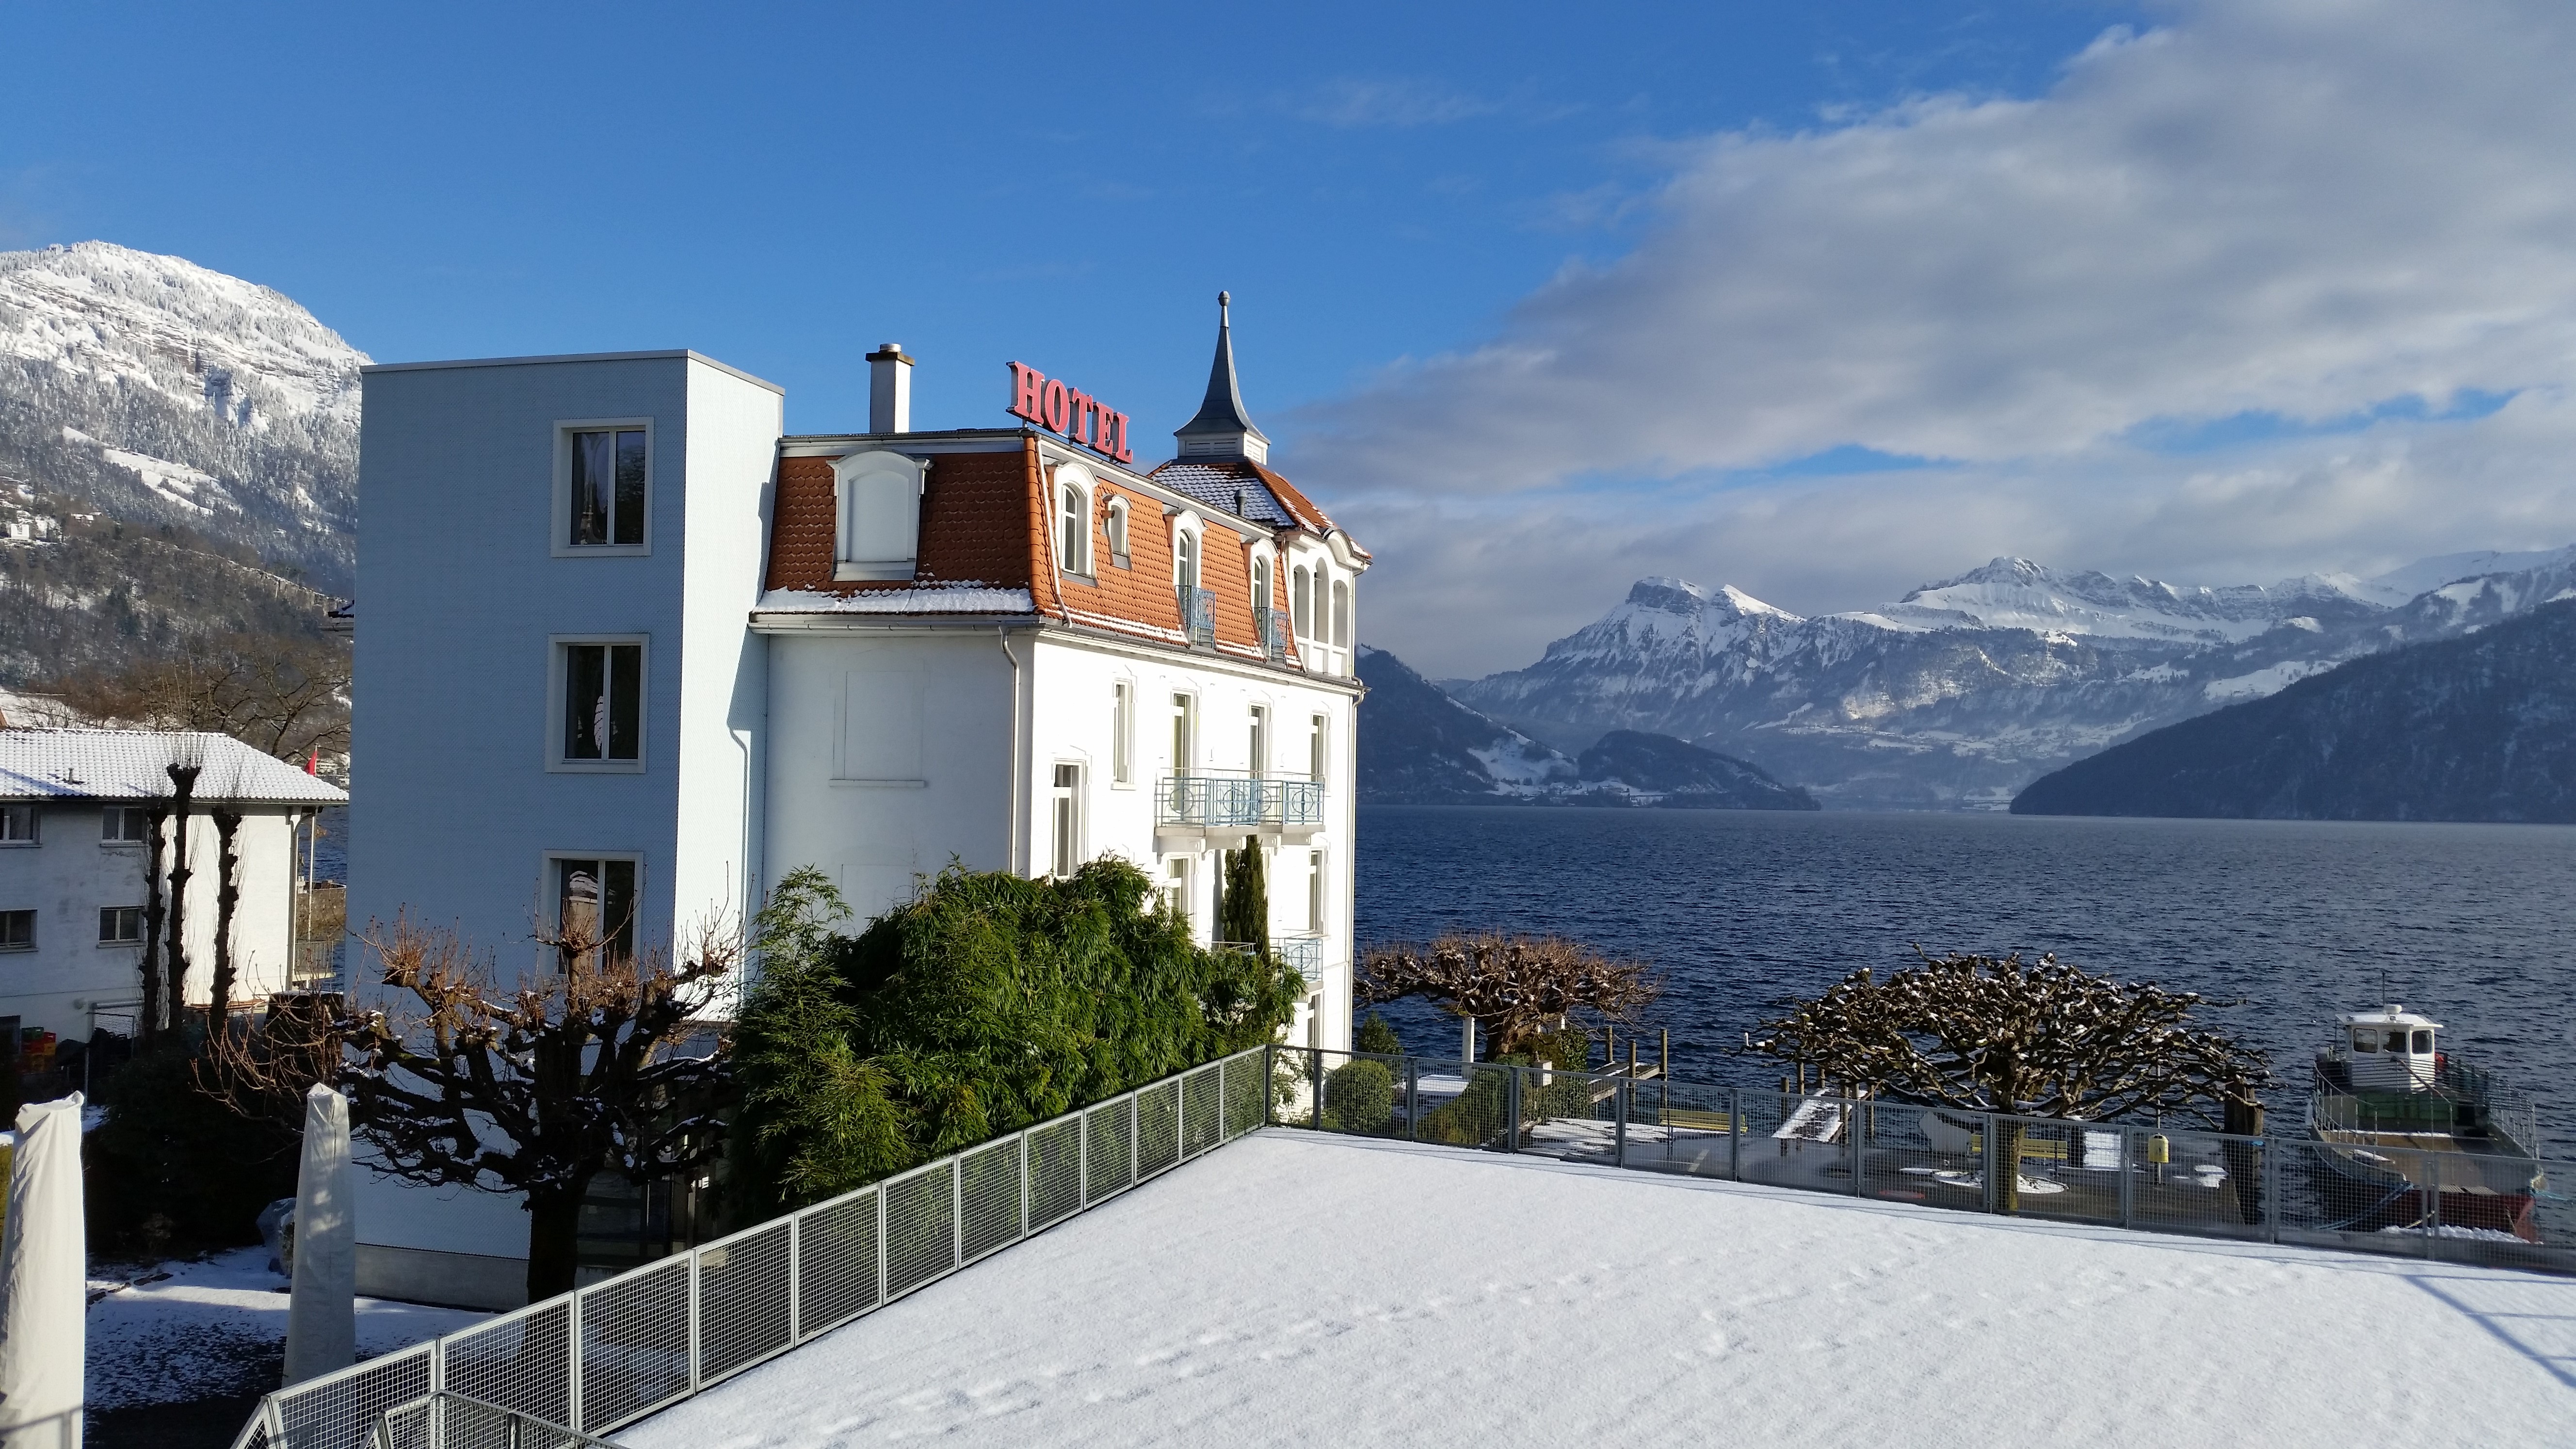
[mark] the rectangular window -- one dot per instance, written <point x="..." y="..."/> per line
<point x="1121" y="708"/>
<point x="595" y="906"/>
<point x="1185" y="711"/>
<point x="17" y="824"/>
<point x="1315" y="1022"/>
<point x="121" y="825"/>
<point x="17" y="930"/>
<point x="1068" y="819"/>
<point x="1318" y="736"/>
<point x="601" y="705"/>
<point x="1259" y="745"/>
<point x="1314" y="890"/>
<point x="1176" y="887"/>
<point x="120" y="925"/>
<point x="1341" y="615"/>
<point x="607" y="489"/>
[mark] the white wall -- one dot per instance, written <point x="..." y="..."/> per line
<point x="69" y="874"/>
<point x="921" y="773"/>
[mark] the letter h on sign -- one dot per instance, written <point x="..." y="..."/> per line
<point x="1052" y="405"/>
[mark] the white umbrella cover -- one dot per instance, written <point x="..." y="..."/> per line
<point x="322" y="1314"/>
<point x="43" y="1261"/>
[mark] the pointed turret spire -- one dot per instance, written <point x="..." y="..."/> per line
<point x="1222" y="429"/>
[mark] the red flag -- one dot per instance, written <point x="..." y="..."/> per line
<point x="312" y="760"/>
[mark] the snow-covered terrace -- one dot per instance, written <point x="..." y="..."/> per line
<point x="1296" y="1288"/>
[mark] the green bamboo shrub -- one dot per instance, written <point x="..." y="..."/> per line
<point x="986" y="1003"/>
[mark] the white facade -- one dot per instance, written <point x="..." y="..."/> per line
<point x="73" y="861"/>
<point x="549" y="686"/>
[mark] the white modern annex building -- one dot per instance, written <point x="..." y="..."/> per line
<point x="627" y="644"/>
<point x="78" y="812"/>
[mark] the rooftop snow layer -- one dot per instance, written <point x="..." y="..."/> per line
<point x="1294" y="1289"/>
<point x="926" y="599"/>
<point x="94" y="764"/>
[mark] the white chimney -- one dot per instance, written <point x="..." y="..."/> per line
<point x="889" y="390"/>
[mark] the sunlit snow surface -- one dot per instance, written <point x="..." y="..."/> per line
<point x="1291" y="1289"/>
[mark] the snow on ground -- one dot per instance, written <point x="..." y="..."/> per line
<point x="1296" y="1289"/>
<point x="216" y="1328"/>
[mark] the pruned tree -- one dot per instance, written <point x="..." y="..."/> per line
<point x="174" y="950"/>
<point x="1243" y="908"/>
<point x="1997" y="1034"/>
<point x="1517" y="988"/>
<point x="606" y="1063"/>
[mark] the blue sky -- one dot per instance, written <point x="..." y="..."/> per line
<point x="1825" y="299"/>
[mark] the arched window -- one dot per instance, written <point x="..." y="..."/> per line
<point x="1185" y="560"/>
<point x="1301" y="608"/>
<point x="1341" y="615"/>
<point x="880" y="524"/>
<point x="1076" y="529"/>
<point x="1118" y="532"/>
<point x="1261" y="584"/>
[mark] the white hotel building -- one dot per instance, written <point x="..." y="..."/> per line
<point x="623" y="636"/>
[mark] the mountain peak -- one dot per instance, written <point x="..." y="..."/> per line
<point x="1669" y="595"/>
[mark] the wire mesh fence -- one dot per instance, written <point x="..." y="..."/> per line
<point x="2495" y="1209"/>
<point x="570" y="1368"/>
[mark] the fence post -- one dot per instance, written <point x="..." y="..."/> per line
<point x="1024" y="1182"/>
<point x="957" y="1211"/>
<point x="572" y="1362"/>
<point x="1986" y="1170"/>
<point x="2432" y="1166"/>
<point x="1181" y="1119"/>
<point x="693" y="1321"/>
<point x="1512" y="1109"/>
<point x="1269" y="1074"/>
<point x="1851" y="1136"/>
<point x="881" y="1245"/>
<point x="1734" y="1134"/>
<point x="796" y="1278"/>
<point x="1135" y="1140"/>
<point x="1619" y="1107"/>
<point x="2128" y="1177"/>
<point x="1315" y="1088"/>
<point x="2275" y="1182"/>
<point x="1412" y="1100"/>
<point x="1082" y="1158"/>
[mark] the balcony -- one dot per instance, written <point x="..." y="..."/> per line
<point x="1272" y="625"/>
<point x="1306" y="953"/>
<point x="1198" y="615"/>
<point x="1238" y="804"/>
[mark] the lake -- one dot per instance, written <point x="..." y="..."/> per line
<point x="1739" y="910"/>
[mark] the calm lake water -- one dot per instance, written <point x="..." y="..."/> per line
<point x="2293" y="920"/>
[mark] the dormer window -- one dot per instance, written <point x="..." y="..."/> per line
<point x="879" y="533"/>
<point x="1118" y="533"/>
<point x="1073" y="525"/>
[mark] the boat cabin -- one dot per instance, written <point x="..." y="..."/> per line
<point x="2391" y="1050"/>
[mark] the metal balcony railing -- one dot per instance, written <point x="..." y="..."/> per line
<point x="1198" y="614"/>
<point x="1306" y="953"/>
<point x="1238" y="802"/>
<point x="1272" y="625"/>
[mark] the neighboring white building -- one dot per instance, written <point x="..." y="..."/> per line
<point x="76" y="807"/>
<point x="624" y="639"/>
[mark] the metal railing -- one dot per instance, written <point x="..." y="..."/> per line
<point x="1305" y="953"/>
<point x="2467" y="1207"/>
<point x="609" y="1354"/>
<point x="454" y="1421"/>
<point x="1231" y="801"/>
<point x="1198" y="614"/>
<point x="1272" y="626"/>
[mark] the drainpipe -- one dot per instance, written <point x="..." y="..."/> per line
<point x="1011" y="829"/>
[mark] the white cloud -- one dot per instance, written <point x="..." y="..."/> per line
<point x="1355" y="102"/>
<point x="2281" y="207"/>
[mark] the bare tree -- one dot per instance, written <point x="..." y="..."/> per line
<point x="1996" y="1034"/>
<point x="183" y="786"/>
<point x="156" y="818"/>
<point x="227" y="899"/>
<point x="585" y="1069"/>
<point x="1516" y="987"/>
<point x="280" y="694"/>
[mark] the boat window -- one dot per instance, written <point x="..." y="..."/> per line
<point x="2397" y="1041"/>
<point x="2365" y="1040"/>
<point x="2423" y="1043"/>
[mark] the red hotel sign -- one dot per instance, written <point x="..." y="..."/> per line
<point x="1047" y="402"/>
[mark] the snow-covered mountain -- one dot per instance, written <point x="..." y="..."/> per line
<point x="1966" y="689"/>
<point x="160" y="392"/>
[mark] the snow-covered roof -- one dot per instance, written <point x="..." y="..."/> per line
<point x="1296" y="1288"/>
<point x="966" y="598"/>
<point x="94" y="764"/>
